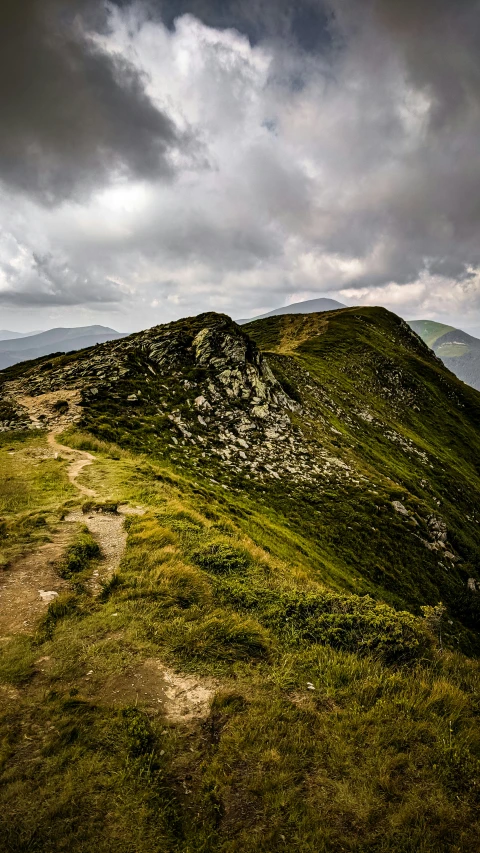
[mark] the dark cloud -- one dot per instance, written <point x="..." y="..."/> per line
<point x="72" y="114"/>
<point x="339" y="143"/>
<point x="303" y="22"/>
<point x="431" y="211"/>
<point x="440" y="43"/>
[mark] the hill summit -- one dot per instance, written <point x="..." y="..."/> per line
<point x="309" y="306"/>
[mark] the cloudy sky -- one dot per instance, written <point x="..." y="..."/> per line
<point x="164" y="157"/>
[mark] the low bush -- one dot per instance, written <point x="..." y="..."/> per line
<point x="223" y="636"/>
<point x="138" y="732"/>
<point x="348" y="622"/>
<point x="221" y="558"/>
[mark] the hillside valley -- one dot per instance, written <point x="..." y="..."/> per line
<point x="243" y="570"/>
<point x="459" y="351"/>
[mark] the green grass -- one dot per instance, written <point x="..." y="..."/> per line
<point x="452" y="350"/>
<point x="79" y="555"/>
<point x="33" y="486"/>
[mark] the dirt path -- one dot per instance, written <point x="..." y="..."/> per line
<point x="108" y="530"/>
<point x="28" y="587"/>
<point x="31" y="583"/>
<point x="78" y="460"/>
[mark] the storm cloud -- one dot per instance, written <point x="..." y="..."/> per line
<point x="72" y="114"/>
<point x="170" y="156"/>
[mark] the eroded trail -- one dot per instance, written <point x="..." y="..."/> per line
<point x="30" y="584"/>
<point x="108" y="530"/>
<point x="78" y="460"/>
<point x="32" y="581"/>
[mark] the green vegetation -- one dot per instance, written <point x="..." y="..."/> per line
<point x="79" y="555"/>
<point x="452" y="350"/>
<point x="459" y="351"/>
<point x="342" y="715"/>
<point x="430" y="331"/>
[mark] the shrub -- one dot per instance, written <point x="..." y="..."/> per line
<point x="221" y="558"/>
<point x="223" y="637"/>
<point x="138" y="733"/>
<point x="348" y="622"/>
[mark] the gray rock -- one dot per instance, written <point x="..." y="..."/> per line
<point x="399" y="507"/>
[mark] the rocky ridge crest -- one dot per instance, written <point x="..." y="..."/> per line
<point x="201" y="384"/>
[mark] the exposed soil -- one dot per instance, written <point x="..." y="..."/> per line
<point x="27" y="588"/>
<point x="180" y="698"/>
<point x="32" y="583"/>
<point x="108" y="530"/>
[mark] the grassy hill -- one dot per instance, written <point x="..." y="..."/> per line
<point x="459" y="351"/>
<point x="308" y="306"/>
<point x="430" y="331"/>
<point x="267" y="665"/>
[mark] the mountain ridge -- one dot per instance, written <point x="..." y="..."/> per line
<point x="257" y="553"/>
<point x="6" y="335"/>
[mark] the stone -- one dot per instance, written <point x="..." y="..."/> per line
<point x="437" y="528"/>
<point x="47" y="595"/>
<point x="399" y="507"/>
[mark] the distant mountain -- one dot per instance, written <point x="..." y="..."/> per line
<point x="55" y="340"/>
<point x="310" y="306"/>
<point x="459" y="351"/>
<point x="6" y="335"/>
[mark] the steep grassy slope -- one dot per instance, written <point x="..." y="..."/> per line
<point x="276" y="493"/>
<point x="407" y="427"/>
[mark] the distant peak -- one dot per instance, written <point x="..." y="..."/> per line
<point x="309" y="306"/>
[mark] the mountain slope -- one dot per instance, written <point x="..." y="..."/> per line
<point x="459" y="351"/>
<point x="256" y="670"/>
<point x="309" y="306"/>
<point x="356" y="415"/>
<point x="5" y="335"/>
<point x="55" y="340"/>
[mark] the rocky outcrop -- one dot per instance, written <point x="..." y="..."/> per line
<point x="201" y="385"/>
